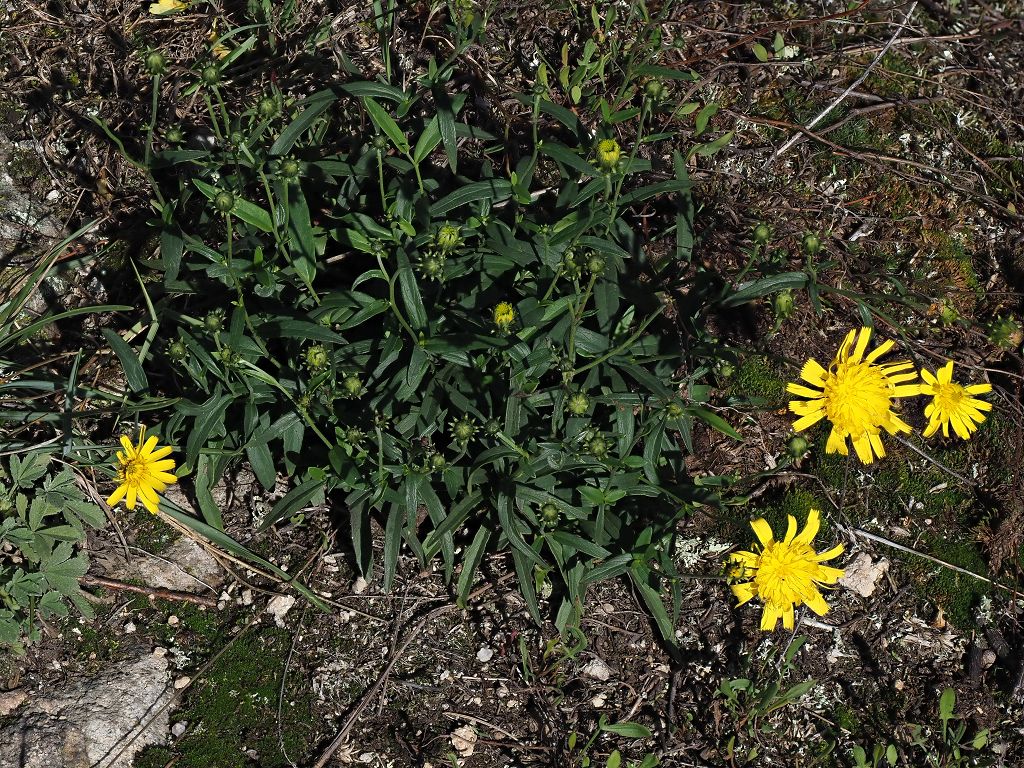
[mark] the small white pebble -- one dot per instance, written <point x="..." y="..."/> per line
<point x="484" y="655"/>
<point x="598" y="701"/>
<point x="182" y="682"/>
<point x="129" y="628"/>
<point x="173" y="621"/>
<point x="246" y="597"/>
<point x="159" y="652"/>
<point x="597" y="670"/>
<point x="359" y="585"/>
<point x="178" y="729"/>
<point x="279" y="606"/>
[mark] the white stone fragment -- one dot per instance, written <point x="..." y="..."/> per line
<point x="597" y="670"/>
<point x="862" y="575"/>
<point x="279" y="606"/>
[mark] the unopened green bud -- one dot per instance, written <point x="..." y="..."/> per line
<point x="655" y="90"/>
<point x="608" y="154"/>
<point x="155" y="63"/>
<point x="463" y="430"/>
<point x="492" y="427"/>
<point x="317" y="358"/>
<point x="353" y="436"/>
<point x="432" y="266"/>
<point x="228" y="356"/>
<point x="352" y="385"/>
<point x="674" y="410"/>
<point x="290" y="168"/>
<point x="437" y="462"/>
<point x="578" y="404"/>
<point x="268" y="107"/>
<point x="783" y="304"/>
<point x="726" y="369"/>
<point x="570" y="265"/>
<point x="224" y="201"/>
<point x="448" y="237"/>
<point x="177" y="351"/>
<point x="762" y="233"/>
<point x="596" y="264"/>
<point x="379" y="143"/>
<point x="175" y="135"/>
<point x="210" y="76"/>
<point x="598" y="447"/>
<point x="214" y="321"/>
<point x="549" y="514"/>
<point x="812" y="244"/>
<point x="797" y="446"/>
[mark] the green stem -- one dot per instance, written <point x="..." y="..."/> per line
<point x="380" y="182"/>
<point x="392" y="299"/>
<point x="619" y="349"/>
<point x="577" y="318"/>
<point x="152" y="122"/>
<point x="213" y="118"/>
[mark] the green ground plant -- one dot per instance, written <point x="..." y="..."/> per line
<point x="45" y="515"/>
<point x="366" y="292"/>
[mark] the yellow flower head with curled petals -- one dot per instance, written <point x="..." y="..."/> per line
<point x="142" y="472"/>
<point x="952" y="403"/>
<point x="784" y="573"/>
<point x="855" y="395"/>
<point x="503" y="316"/>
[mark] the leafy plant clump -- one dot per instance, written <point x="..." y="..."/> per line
<point x="44" y="515"/>
<point x="445" y="331"/>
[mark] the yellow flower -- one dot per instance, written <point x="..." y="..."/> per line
<point x="855" y="395"/>
<point x="952" y="403"/>
<point x="608" y="154"/>
<point x="784" y="573"/>
<point x="219" y="50"/>
<point x="504" y="316"/>
<point x="142" y="472"/>
<point x="162" y="7"/>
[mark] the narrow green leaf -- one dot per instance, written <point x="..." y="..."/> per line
<point x="764" y="286"/>
<point x="291" y="502"/>
<point x="386" y="124"/>
<point x="490" y="190"/>
<point x="133" y="373"/>
<point x="427" y="141"/>
<point x="313" y="105"/>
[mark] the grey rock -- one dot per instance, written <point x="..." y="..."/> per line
<point x="100" y="722"/>
<point x="184" y="566"/>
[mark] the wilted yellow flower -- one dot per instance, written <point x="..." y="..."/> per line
<point x="163" y="7"/>
<point x="855" y="395"/>
<point x="504" y="316"/>
<point x="219" y="50"/>
<point x="784" y="573"/>
<point x="142" y="472"/>
<point x="952" y="403"/>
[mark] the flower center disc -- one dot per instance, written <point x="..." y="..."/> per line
<point x="857" y="398"/>
<point x="948" y="397"/>
<point x="782" y="575"/>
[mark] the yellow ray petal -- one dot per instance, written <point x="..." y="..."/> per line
<point x="810" y="528"/>
<point x="763" y="531"/>
<point x="808" y="421"/>
<point x="790" y="529"/>
<point x="880" y="350"/>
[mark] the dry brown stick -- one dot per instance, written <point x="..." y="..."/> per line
<point x="150" y="592"/>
